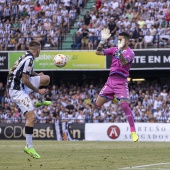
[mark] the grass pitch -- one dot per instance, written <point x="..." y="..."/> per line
<point x="83" y="155"/>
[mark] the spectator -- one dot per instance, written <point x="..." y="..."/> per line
<point x="126" y="22"/>
<point x="149" y="22"/>
<point x="37" y="9"/>
<point x="85" y="36"/>
<point x="23" y="13"/>
<point x="134" y="97"/>
<point x="167" y="16"/>
<point x="152" y="30"/>
<point x="81" y="117"/>
<point x="12" y="43"/>
<point x="139" y="41"/>
<point x="16" y="26"/>
<point x="164" y="38"/>
<point x="141" y="22"/>
<point x="87" y="18"/>
<point x="114" y="4"/>
<point x="136" y="32"/>
<point x="112" y="26"/>
<point x="77" y="41"/>
<point x="161" y="118"/>
<point x="7" y="12"/>
<point x="131" y="39"/>
<point x="148" y="40"/>
<point x="164" y="94"/>
<point x="92" y="37"/>
<point x="91" y="91"/>
<point x="99" y="4"/>
<point x="80" y="23"/>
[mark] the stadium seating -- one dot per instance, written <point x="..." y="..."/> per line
<point x="55" y="23"/>
<point x="149" y="103"/>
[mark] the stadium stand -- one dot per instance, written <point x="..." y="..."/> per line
<point x="55" y="22"/>
<point x="73" y="103"/>
<point x="147" y="21"/>
<point x="45" y="20"/>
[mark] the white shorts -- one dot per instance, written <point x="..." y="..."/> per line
<point x="21" y="97"/>
<point x="35" y="82"/>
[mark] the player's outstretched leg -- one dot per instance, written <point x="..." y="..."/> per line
<point x="38" y="81"/>
<point x="44" y="81"/>
<point x="129" y="116"/>
<point x="29" y="126"/>
<point x="99" y="101"/>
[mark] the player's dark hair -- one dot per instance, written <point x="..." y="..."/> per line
<point x="34" y="43"/>
<point x="124" y="34"/>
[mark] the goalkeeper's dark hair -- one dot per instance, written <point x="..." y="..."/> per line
<point x="124" y="34"/>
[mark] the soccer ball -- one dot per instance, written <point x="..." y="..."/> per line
<point x="60" y="60"/>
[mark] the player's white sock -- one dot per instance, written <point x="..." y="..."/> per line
<point x="29" y="140"/>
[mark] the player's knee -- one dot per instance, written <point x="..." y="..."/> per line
<point x="45" y="80"/>
<point x="96" y="105"/>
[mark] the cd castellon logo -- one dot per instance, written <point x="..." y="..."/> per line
<point x="18" y="132"/>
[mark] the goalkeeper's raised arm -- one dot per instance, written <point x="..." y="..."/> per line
<point x="105" y="34"/>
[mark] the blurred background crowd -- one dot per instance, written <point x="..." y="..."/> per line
<point x="50" y="21"/>
<point x="73" y="103"/>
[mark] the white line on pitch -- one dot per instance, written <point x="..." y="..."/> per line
<point x="142" y="166"/>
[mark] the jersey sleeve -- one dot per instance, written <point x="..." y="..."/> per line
<point x="28" y="67"/>
<point x="130" y="56"/>
<point x="110" y="51"/>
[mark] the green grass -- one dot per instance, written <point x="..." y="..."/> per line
<point x="83" y="155"/>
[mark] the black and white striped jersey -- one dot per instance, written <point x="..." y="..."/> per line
<point x="25" y="65"/>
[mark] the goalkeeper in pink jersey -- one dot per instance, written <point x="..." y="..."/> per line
<point x="117" y="84"/>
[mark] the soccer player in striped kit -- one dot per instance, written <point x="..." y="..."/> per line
<point x="22" y="80"/>
<point x="117" y="84"/>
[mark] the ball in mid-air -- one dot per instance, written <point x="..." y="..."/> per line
<point x="60" y="60"/>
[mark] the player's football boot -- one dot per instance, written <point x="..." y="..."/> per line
<point x="134" y="136"/>
<point x="43" y="103"/>
<point x="115" y="101"/>
<point x="32" y="152"/>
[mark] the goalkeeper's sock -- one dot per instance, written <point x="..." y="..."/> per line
<point x="129" y="115"/>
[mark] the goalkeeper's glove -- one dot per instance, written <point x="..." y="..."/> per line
<point x="121" y="44"/>
<point x="105" y="34"/>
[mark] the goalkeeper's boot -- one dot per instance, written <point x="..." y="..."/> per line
<point x="32" y="152"/>
<point x="43" y="103"/>
<point x="115" y="100"/>
<point x="134" y="136"/>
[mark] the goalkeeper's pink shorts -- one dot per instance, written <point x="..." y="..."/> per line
<point x="115" y="85"/>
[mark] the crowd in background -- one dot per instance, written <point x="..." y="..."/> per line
<point x="73" y="103"/>
<point x="146" y="21"/>
<point x="49" y="21"/>
<point x="46" y="21"/>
